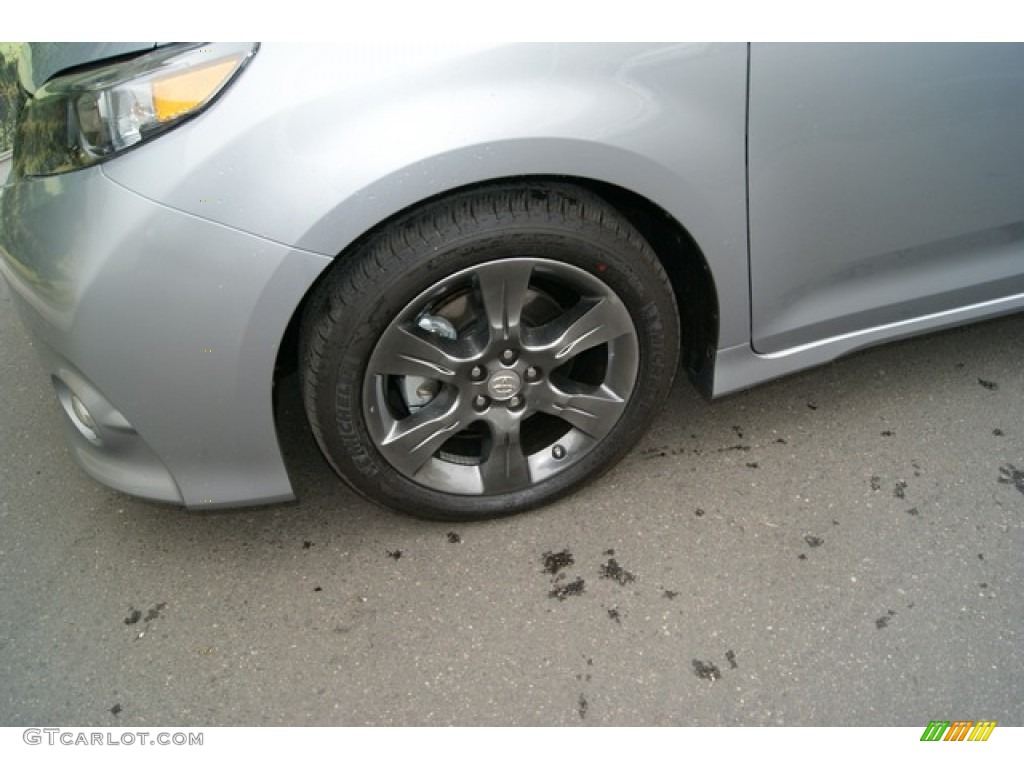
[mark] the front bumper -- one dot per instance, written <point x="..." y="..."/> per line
<point x="165" y="326"/>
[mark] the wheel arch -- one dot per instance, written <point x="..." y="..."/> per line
<point x="689" y="272"/>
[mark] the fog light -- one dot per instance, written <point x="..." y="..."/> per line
<point x="77" y="413"/>
<point x="83" y="415"/>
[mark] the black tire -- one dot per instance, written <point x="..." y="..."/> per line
<point x="488" y="352"/>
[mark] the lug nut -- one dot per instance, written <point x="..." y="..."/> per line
<point x="477" y="373"/>
<point x="508" y="356"/>
<point x="480" y="402"/>
<point x="532" y="374"/>
<point x="515" y="403"/>
<point x="558" y="452"/>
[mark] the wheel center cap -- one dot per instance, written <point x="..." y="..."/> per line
<point x="504" y="384"/>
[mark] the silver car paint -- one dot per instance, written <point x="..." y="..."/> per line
<point x="180" y="342"/>
<point x="919" y="148"/>
<point x="353" y="135"/>
<point x="312" y="147"/>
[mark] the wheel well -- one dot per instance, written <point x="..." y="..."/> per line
<point x="679" y="255"/>
<point x="687" y="269"/>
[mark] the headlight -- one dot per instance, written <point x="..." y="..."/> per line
<point x="83" y="118"/>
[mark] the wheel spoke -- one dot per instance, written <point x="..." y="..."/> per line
<point x="406" y="353"/>
<point x="503" y="287"/>
<point x="587" y="325"/>
<point x="506" y="468"/>
<point x="594" y="412"/>
<point x="412" y="441"/>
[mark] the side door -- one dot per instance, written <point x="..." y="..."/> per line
<point x="886" y="183"/>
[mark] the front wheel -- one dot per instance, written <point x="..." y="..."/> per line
<point x="489" y="352"/>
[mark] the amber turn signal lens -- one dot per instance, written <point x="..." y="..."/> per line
<point x="185" y="91"/>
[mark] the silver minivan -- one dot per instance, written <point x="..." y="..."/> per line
<point x="486" y="262"/>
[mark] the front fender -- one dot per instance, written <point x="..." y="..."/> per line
<point x="315" y="145"/>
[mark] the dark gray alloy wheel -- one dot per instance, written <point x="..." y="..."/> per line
<point x="488" y="353"/>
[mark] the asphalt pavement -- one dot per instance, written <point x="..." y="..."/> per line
<point x="841" y="547"/>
